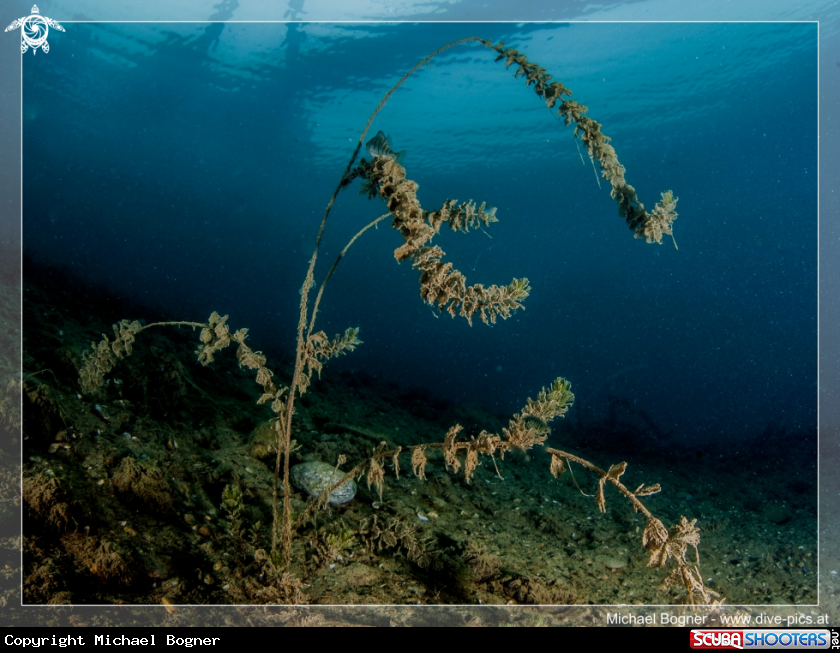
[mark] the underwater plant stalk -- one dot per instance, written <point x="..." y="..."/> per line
<point x="284" y="433"/>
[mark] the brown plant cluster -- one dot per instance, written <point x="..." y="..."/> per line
<point x="525" y="430"/>
<point x="394" y="533"/>
<point x="216" y="335"/>
<point x="143" y="483"/>
<point x="319" y="349"/>
<point x="106" y="354"/>
<point x="440" y="283"/>
<point x="650" y="226"/>
<point x="662" y="544"/>
<point x="45" y="500"/>
<point x="102" y="559"/>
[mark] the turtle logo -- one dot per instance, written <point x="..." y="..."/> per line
<point x="33" y="31"/>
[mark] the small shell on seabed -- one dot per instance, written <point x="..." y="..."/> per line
<point x="315" y="477"/>
<point x="613" y="563"/>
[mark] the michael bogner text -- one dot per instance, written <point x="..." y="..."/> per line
<point x="109" y="640"/>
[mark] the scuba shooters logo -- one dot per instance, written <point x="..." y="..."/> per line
<point x="799" y="639"/>
<point x="717" y="639"/>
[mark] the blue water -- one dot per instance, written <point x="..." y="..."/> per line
<point x="187" y="166"/>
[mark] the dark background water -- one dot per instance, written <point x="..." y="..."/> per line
<point x="187" y="166"/>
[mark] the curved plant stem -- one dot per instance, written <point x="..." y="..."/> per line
<point x="284" y="433"/>
<point x="335" y="265"/>
<point x="602" y="474"/>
